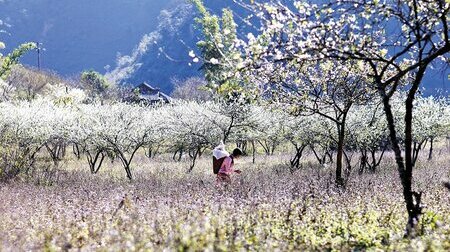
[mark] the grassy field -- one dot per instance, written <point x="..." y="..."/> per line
<point x="266" y="208"/>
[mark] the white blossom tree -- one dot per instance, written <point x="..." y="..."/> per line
<point x="398" y="40"/>
<point x="193" y="127"/>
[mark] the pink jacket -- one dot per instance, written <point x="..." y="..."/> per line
<point x="227" y="166"/>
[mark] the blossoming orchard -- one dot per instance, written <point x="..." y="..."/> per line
<point x="118" y="131"/>
<point x="342" y="148"/>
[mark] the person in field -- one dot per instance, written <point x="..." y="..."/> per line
<point x="223" y="163"/>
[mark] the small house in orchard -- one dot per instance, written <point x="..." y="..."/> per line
<point x="145" y="93"/>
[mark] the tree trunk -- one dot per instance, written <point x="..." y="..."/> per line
<point x="253" y="151"/>
<point x="295" y="161"/>
<point x="274" y="145"/>
<point x="329" y="154"/>
<point x="242" y="144"/>
<point x="94" y="167"/>
<point x="430" y="154"/>
<point x="348" y="170"/>
<point x="244" y="147"/>
<point x="340" y="152"/>
<point x="174" y="156"/>
<point x="126" y="162"/>
<point x="54" y="151"/>
<point x="316" y="155"/>
<point x="413" y="199"/>
<point x="149" y="153"/>
<point x="362" y="162"/>
<point x="227" y="132"/>
<point x="100" y="163"/>
<point x="265" y="146"/>
<point x="61" y="151"/>
<point x="194" y="158"/>
<point x="181" y="155"/>
<point x="415" y="151"/>
<point x="128" y="171"/>
<point x="375" y="162"/>
<point x="404" y="167"/>
<point x="76" y="151"/>
<point x="373" y="166"/>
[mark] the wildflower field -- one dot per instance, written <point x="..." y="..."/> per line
<point x="266" y="208"/>
<point x="336" y="112"/>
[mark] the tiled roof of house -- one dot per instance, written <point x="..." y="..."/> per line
<point x="151" y="94"/>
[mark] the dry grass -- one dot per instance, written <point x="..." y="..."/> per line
<point x="266" y="208"/>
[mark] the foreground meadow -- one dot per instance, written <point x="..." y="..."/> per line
<point x="266" y="208"/>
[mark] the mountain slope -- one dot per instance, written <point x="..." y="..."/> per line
<point x="163" y="54"/>
<point x="131" y="41"/>
<point x="78" y="35"/>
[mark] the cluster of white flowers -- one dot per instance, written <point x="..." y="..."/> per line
<point x="120" y="130"/>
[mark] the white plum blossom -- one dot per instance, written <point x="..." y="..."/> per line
<point x="214" y="61"/>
